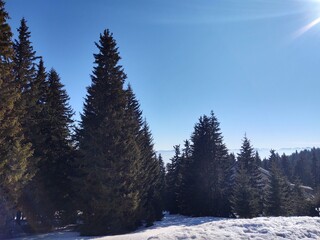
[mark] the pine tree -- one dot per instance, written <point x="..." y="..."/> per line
<point x="107" y="147"/>
<point x="15" y="152"/>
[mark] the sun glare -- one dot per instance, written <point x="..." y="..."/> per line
<point x="310" y="25"/>
<point x="307" y="27"/>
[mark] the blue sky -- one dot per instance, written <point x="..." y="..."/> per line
<point x="245" y="60"/>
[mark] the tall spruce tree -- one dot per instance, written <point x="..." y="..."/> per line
<point x="152" y="186"/>
<point x="25" y="73"/>
<point x="15" y="152"/>
<point x="49" y="191"/>
<point x="209" y="155"/>
<point x="108" y="148"/>
<point x="57" y="169"/>
<point x="148" y="170"/>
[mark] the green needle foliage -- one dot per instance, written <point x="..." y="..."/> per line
<point x="15" y="152"/>
<point x="118" y="171"/>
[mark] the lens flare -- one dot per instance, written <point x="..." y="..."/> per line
<point x="306" y="28"/>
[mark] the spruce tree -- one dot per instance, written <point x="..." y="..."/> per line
<point x="209" y="155"/>
<point x="286" y="167"/>
<point x="299" y="205"/>
<point x="57" y="169"/>
<point x="50" y="190"/>
<point x="247" y="159"/>
<point x="243" y="202"/>
<point x="107" y="147"/>
<point x="184" y="180"/>
<point x="25" y="74"/>
<point x="315" y="169"/>
<point x="149" y="179"/>
<point x="15" y="152"/>
<point x="276" y="201"/>
<point x="172" y="184"/>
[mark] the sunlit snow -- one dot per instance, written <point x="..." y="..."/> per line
<point x="180" y="227"/>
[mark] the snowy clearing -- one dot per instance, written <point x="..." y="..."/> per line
<point x="180" y="227"/>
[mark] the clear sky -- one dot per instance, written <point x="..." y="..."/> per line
<point x="251" y="62"/>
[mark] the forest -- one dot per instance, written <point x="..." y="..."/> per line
<point x="103" y="174"/>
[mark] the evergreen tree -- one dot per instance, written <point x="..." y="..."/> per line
<point x="315" y="169"/>
<point x="299" y="205"/>
<point x="60" y="155"/>
<point x="258" y="159"/>
<point x="247" y="159"/>
<point x="25" y="74"/>
<point x="243" y="202"/>
<point x="152" y="185"/>
<point x="15" y="152"/>
<point x="208" y="172"/>
<point x="49" y="191"/>
<point x="286" y="166"/>
<point x="172" y="186"/>
<point x="184" y="180"/>
<point x="276" y="202"/>
<point x="303" y="171"/>
<point x="108" y="148"/>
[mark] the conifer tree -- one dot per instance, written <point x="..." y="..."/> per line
<point x="25" y="74"/>
<point x="58" y="167"/>
<point x="276" y="202"/>
<point x="243" y="202"/>
<point x="209" y="155"/>
<point x="286" y="167"/>
<point x="49" y="191"/>
<point x="247" y="159"/>
<point x="108" y="148"/>
<point x="299" y="205"/>
<point x="151" y="180"/>
<point x="15" y="152"/>
<point x="148" y="169"/>
<point x="258" y="159"/>
<point x="184" y="180"/>
<point x="172" y="186"/>
<point x="315" y="169"/>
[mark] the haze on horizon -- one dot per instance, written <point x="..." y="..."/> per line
<point x="254" y="63"/>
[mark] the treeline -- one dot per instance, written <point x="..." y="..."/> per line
<point x="303" y="165"/>
<point x="204" y="180"/>
<point x="103" y="173"/>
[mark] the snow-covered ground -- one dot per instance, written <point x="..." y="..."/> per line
<point x="184" y="228"/>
